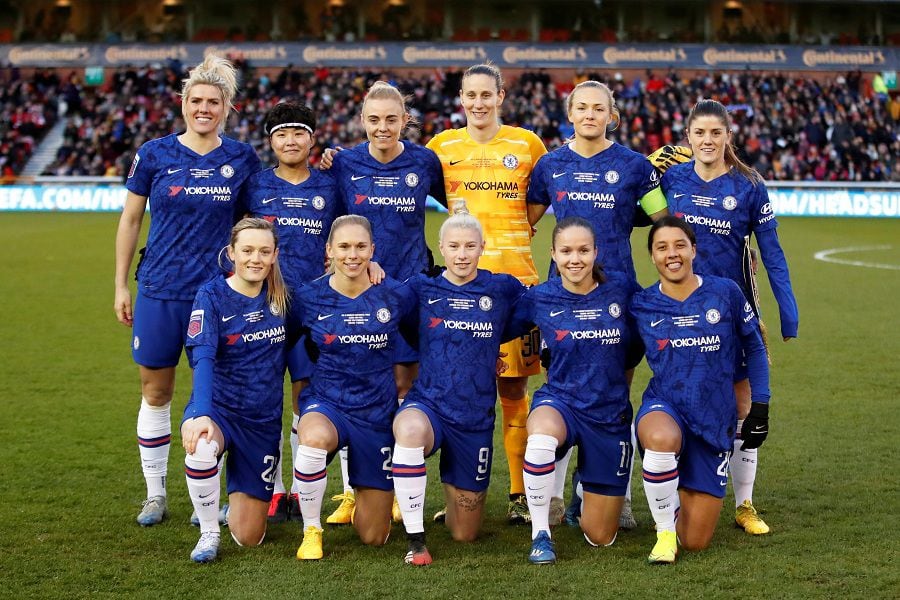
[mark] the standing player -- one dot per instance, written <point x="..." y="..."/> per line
<point x="583" y="318"/>
<point x="726" y="202"/>
<point x="597" y="179"/>
<point x="487" y="166"/>
<point x="238" y="339"/>
<point x="463" y="313"/>
<point x="352" y="396"/>
<point x="387" y="180"/>
<point x="193" y="181"/>
<point x="605" y="183"/>
<point x="301" y="203"/>
<point x="693" y="328"/>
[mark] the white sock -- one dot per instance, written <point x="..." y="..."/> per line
<point x="743" y="470"/>
<point x="345" y="471"/>
<point x="661" y="488"/>
<point x="294" y="441"/>
<point x="201" y="471"/>
<point x="539" y="472"/>
<point x="279" y="472"/>
<point x="154" y="433"/>
<point x="309" y="471"/>
<point x="409" y="477"/>
<point x="562" y="470"/>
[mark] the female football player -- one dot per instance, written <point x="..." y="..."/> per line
<point x="726" y="202"/>
<point x="193" y="181"/>
<point x="487" y="166"/>
<point x="352" y="395"/>
<point x="238" y="339"/>
<point x="693" y="327"/>
<point x="584" y="320"/>
<point x="387" y="180"/>
<point x="463" y="314"/>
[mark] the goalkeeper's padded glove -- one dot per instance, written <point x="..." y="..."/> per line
<point x="755" y="428"/>
<point x="670" y="155"/>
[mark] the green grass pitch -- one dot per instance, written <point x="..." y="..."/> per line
<point x="70" y="483"/>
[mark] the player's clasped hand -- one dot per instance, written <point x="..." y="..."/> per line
<point x="194" y="429"/>
<point x="756" y="426"/>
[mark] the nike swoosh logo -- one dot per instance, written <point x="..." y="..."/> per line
<point x="655" y="323"/>
<point x="357" y="177"/>
<point x="414" y="497"/>
<point x="677" y="195"/>
<point x="620" y="473"/>
<point x="269" y="488"/>
<point x="267" y="200"/>
<point x="170" y="171"/>
<point x="723" y="483"/>
<point x="480" y="477"/>
<point x="553" y="313"/>
<point x="556" y="175"/>
<point x="530" y="362"/>
<point x="760" y="428"/>
<point x="323" y="317"/>
<point x="207" y="495"/>
<point x="430" y="301"/>
<point x="455" y="162"/>
<point x="226" y="319"/>
<point x="534" y="489"/>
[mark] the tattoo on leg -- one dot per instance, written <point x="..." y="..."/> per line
<point x="470" y="503"/>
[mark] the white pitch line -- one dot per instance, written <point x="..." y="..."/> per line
<point x="826" y="256"/>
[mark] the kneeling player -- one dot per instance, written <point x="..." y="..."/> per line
<point x="237" y="339"/>
<point x="463" y="314"/>
<point x="693" y="327"/>
<point x="583" y="317"/>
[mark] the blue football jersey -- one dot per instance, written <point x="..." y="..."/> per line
<point x="460" y="331"/>
<point x="194" y="201"/>
<point x="722" y="212"/>
<point x="691" y="347"/>
<point x="604" y="189"/>
<point x="592" y="343"/>
<point x="392" y="197"/>
<point x="302" y="215"/>
<point x="249" y="340"/>
<point x="355" y="338"/>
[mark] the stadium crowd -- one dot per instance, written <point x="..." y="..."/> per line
<point x="788" y="128"/>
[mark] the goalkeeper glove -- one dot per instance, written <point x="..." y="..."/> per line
<point x="755" y="428"/>
<point x="670" y="155"/>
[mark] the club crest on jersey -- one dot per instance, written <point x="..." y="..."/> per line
<point x="195" y="325"/>
<point x="383" y="315"/>
<point x="137" y="342"/>
<point x="611" y="176"/>
<point x="615" y="310"/>
<point x="273" y="308"/>
<point x="729" y="202"/>
<point x="485" y="303"/>
<point x="713" y="316"/>
<point x="227" y="171"/>
<point x="510" y="161"/>
<point x="412" y="180"/>
<point x="318" y="202"/>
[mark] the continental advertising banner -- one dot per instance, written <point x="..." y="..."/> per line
<point x="518" y="55"/>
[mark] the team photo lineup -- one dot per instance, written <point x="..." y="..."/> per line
<point x="397" y="351"/>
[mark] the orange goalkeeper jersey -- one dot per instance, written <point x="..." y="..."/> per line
<point x="492" y="179"/>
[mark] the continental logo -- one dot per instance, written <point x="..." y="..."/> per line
<point x="263" y="52"/>
<point x="414" y="54"/>
<point x="667" y="55"/>
<point x="313" y="54"/>
<point x="515" y="54"/>
<point x="131" y="54"/>
<point x="21" y="55"/>
<point x="273" y="335"/>
<point x="714" y="56"/>
<point x="835" y="58"/>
